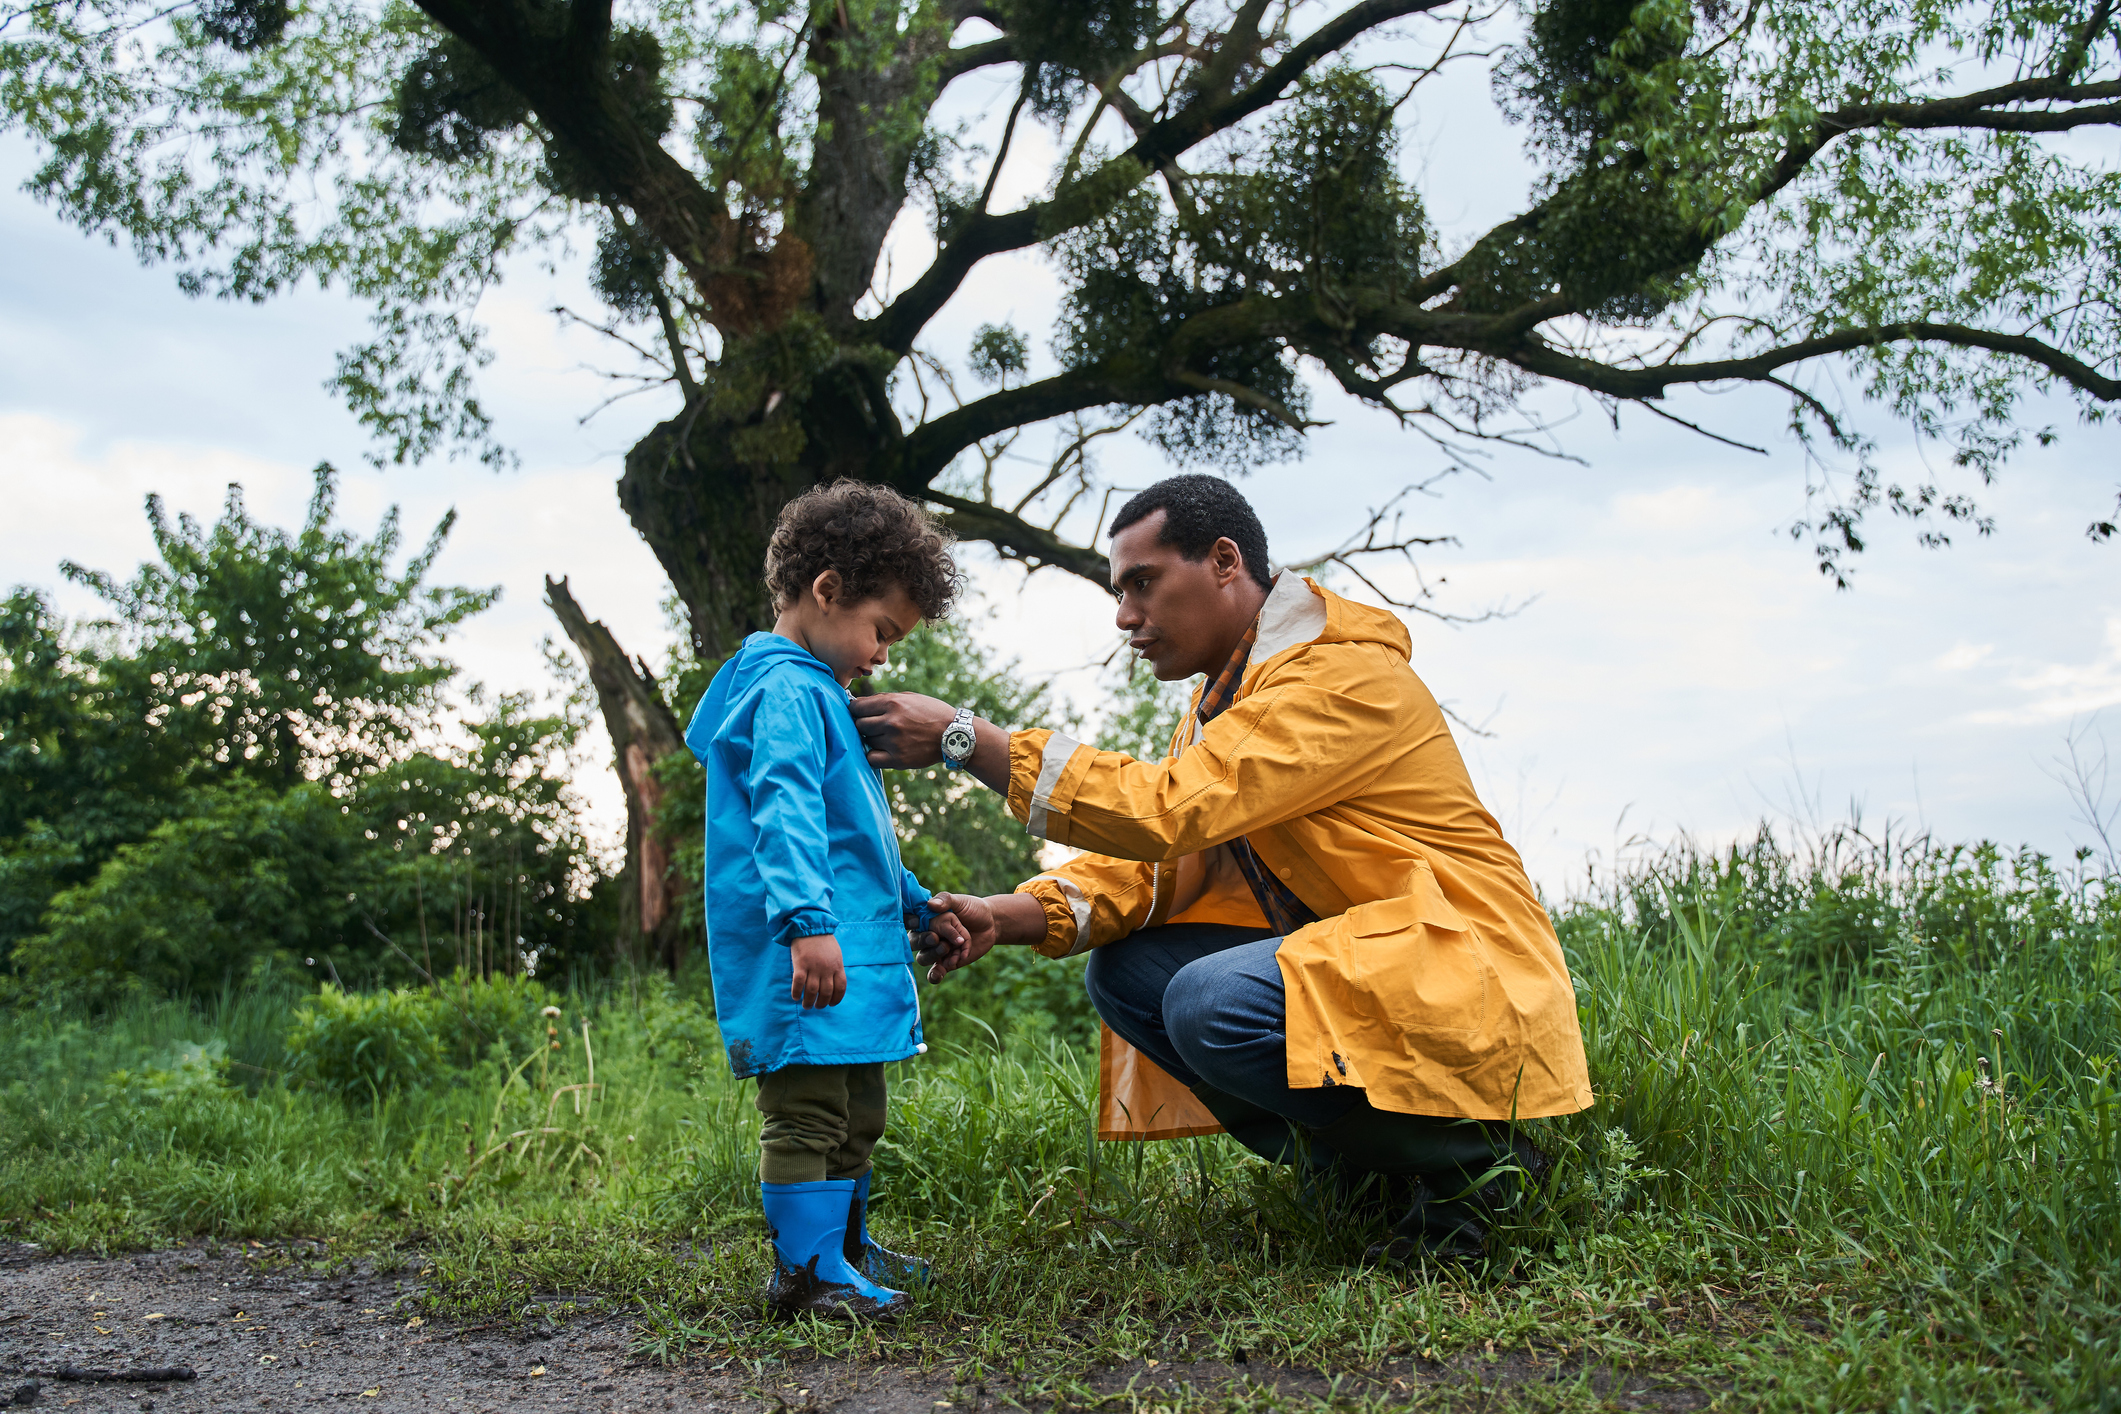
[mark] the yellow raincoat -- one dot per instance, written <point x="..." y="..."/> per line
<point x="1434" y="981"/>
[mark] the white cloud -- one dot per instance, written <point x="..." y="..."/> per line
<point x="1962" y="656"/>
<point x="2062" y="692"/>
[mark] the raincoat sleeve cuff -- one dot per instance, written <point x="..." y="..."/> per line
<point x="806" y="923"/>
<point x="1046" y="768"/>
<point x="1067" y="910"/>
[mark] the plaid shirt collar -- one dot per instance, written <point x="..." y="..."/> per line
<point x="1218" y="694"/>
<point x="1278" y="904"/>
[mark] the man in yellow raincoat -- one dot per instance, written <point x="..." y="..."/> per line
<point x="1308" y="930"/>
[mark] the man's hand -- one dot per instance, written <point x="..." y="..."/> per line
<point x="962" y="933"/>
<point x="902" y="730"/>
<point x="820" y="979"/>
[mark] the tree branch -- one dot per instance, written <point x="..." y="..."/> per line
<point x="956" y="63"/>
<point x="1367" y="541"/>
<point x="1001" y="153"/>
<point x="1640" y="383"/>
<point x="643" y="733"/>
<point x="1019" y="539"/>
<point x="932" y="446"/>
<point x="671" y="336"/>
<point x="981" y="236"/>
<point x="572" y="97"/>
<point x="1973" y="110"/>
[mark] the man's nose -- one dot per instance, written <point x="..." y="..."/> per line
<point x="1128" y="616"/>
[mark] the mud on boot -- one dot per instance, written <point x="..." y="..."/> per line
<point x="870" y="1257"/>
<point x="811" y="1274"/>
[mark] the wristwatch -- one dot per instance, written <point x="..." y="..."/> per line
<point x="958" y="739"/>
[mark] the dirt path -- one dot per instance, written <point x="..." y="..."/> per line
<point x="263" y="1331"/>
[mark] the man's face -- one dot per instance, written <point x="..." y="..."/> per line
<point x="1177" y="613"/>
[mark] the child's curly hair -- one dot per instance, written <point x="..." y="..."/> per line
<point x="873" y="536"/>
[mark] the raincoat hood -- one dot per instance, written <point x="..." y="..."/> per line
<point x="1349" y="622"/>
<point x="761" y="655"/>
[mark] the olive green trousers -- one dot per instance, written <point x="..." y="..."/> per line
<point x="822" y="1121"/>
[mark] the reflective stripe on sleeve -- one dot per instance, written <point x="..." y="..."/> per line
<point x="1079" y="905"/>
<point x="1060" y="750"/>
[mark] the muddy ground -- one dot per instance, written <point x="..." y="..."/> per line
<point x="263" y="1331"/>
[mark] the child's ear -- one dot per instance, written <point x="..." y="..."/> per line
<point x="826" y="589"/>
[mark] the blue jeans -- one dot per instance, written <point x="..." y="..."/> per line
<point x="1205" y="1002"/>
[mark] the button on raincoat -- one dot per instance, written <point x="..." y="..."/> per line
<point x="1434" y="979"/>
<point x="799" y="842"/>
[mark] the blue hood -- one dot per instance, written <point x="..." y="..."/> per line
<point x="761" y="655"/>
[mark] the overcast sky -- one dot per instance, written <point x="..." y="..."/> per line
<point x="1679" y="666"/>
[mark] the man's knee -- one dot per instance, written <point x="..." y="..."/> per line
<point x="1196" y="1016"/>
<point x="1095" y="975"/>
<point x="1224" y="1017"/>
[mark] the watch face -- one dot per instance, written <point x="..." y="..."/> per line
<point x="958" y="741"/>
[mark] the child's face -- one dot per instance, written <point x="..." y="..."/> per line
<point x="854" y="637"/>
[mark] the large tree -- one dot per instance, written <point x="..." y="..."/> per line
<point x="1730" y="191"/>
<point x="1890" y="197"/>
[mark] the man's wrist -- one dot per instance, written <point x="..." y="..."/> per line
<point x="1019" y="920"/>
<point x="990" y="756"/>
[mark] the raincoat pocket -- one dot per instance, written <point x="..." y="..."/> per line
<point x="873" y="943"/>
<point x="1418" y="963"/>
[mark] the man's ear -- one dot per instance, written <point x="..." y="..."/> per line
<point x="1228" y="561"/>
<point x="825" y="589"/>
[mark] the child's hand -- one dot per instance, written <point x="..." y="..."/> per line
<point x="820" y="979"/>
<point x="963" y="932"/>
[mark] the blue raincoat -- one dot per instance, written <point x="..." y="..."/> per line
<point x="799" y="842"/>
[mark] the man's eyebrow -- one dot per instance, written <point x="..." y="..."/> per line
<point x="1132" y="570"/>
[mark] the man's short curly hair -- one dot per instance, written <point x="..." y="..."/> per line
<point x="873" y="536"/>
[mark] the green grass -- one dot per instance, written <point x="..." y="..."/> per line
<point x="1857" y="1147"/>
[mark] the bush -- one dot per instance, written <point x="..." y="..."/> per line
<point x="470" y="1015"/>
<point x="375" y="1043"/>
<point x="244" y="877"/>
<point x="278" y="809"/>
<point x="1010" y="990"/>
<point x="364" y="1045"/>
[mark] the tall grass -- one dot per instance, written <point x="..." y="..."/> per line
<point x="1909" y="1045"/>
<point x="1870" y="1084"/>
<point x="1889" y="1056"/>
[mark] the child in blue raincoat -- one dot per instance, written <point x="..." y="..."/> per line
<point x="807" y="901"/>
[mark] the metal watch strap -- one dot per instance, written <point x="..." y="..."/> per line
<point x="965" y="719"/>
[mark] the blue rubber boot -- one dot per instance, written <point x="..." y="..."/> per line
<point x="867" y="1256"/>
<point x="811" y="1275"/>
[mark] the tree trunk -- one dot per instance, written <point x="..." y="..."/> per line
<point x="704" y="492"/>
<point x="643" y="733"/>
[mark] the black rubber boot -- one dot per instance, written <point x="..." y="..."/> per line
<point x="1331" y="1189"/>
<point x="1265" y="1133"/>
<point x="1465" y="1175"/>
